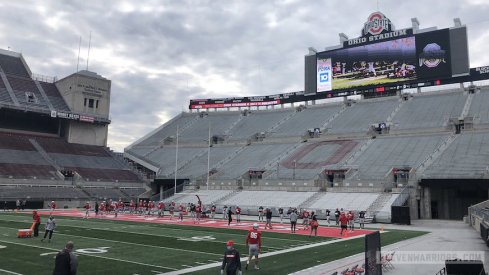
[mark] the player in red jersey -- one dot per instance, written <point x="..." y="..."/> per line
<point x="343" y="223"/>
<point x="121" y="206"/>
<point x="87" y="209"/>
<point x="161" y="209"/>
<point x="253" y="242"/>
<point x="238" y="214"/>
<point x="131" y="207"/>
<point x="181" y="209"/>
<point x="52" y="206"/>
<point x="102" y="208"/>
<point x="198" y="212"/>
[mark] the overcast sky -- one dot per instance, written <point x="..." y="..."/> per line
<point x="159" y="54"/>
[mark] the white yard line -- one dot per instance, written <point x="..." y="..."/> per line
<point x="9" y="272"/>
<point x="161" y="235"/>
<point x="269" y="254"/>
<point x="145" y="245"/>
<point x="90" y="255"/>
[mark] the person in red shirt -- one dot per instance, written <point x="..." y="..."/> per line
<point x="53" y="207"/>
<point x="102" y="208"/>
<point x="253" y="242"/>
<point x="343" y="222"/>
<point x="198" y="212"/>
<point x="181" y="208"/>
<point x="87" y="209"/>
<point x="161" y="209"/>
<point x="131" y="207"/>
<point x="238" y="214"/>
<point x="121" y="206"/>
<point x="37" y="222"/>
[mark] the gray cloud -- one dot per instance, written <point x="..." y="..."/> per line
<point x="159" y="54"/>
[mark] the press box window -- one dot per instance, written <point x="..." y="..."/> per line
<point x="96" y="104"/>
<point x="90" y="103"/>
<point x="85" y="102"/>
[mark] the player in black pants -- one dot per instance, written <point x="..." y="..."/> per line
<point x="231" y="261"/>
<point x="230" y="216"/>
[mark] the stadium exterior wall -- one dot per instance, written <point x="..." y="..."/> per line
<point x="90" y="134"/>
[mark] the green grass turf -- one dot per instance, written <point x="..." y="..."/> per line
<point x="145" y="248"/>
<point x="345" y="83"/>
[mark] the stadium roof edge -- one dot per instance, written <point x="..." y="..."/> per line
<point x="86" y="73"/>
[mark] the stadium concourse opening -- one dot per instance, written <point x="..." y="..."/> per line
<point x="450" y="198"/>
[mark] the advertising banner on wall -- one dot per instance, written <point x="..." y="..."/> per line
<point x="324" y="74"/>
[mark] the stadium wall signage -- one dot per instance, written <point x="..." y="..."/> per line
<point x="378" y="27"/>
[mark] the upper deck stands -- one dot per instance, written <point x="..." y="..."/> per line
<point x="13" y="65"/>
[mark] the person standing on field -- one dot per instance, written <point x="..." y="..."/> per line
<point x="37" y="222"/>
<point x="293" y="221"/>
<point x="50" y="225"/>
<point x="66" y="262"/>
<point x="231" y="261"/>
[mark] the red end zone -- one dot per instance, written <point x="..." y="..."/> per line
<point x="323" y="231"/>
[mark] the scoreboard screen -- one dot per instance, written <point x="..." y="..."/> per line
<point x="396" y="61"/>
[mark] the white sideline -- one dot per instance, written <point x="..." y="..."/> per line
<point x="202" y="267"/>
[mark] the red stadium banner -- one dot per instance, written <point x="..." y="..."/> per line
<point x="235" y="104"/>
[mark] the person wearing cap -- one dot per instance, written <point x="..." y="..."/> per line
<point x="253" y="242"/>
<point x="37" y="222"/>
<point x="66" y="262"/>
<point x="231" y="261"/>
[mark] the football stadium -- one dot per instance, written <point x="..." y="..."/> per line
<point x="380" y="165"/>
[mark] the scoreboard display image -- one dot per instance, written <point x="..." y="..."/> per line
<point x="397" y="61"/>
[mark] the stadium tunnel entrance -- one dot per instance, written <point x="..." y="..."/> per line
<point x="450" y="198"/>
<point x="166" y="187"/>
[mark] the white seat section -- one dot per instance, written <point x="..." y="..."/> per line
<point x="360" y="116"/>
<point x="254" y="156"/>
<point x="385" y="153"/>
<point x="309" y="118"/>
<point x="198" y="166"/>
<point x="168" y="129"/>
<point x="466" y="157"/>
<point x="207" y="197"/>
<point x="256" y="122"/>
<point x="347" y="201"/>
<point x="255" y="199"/>
<point x="478" y="109"/>
<point x="219" y="122"/>
<point x="429" y="111"/>
<point x="165" y="157"/>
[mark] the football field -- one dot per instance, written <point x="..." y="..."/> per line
<point x="108" y="246"/>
